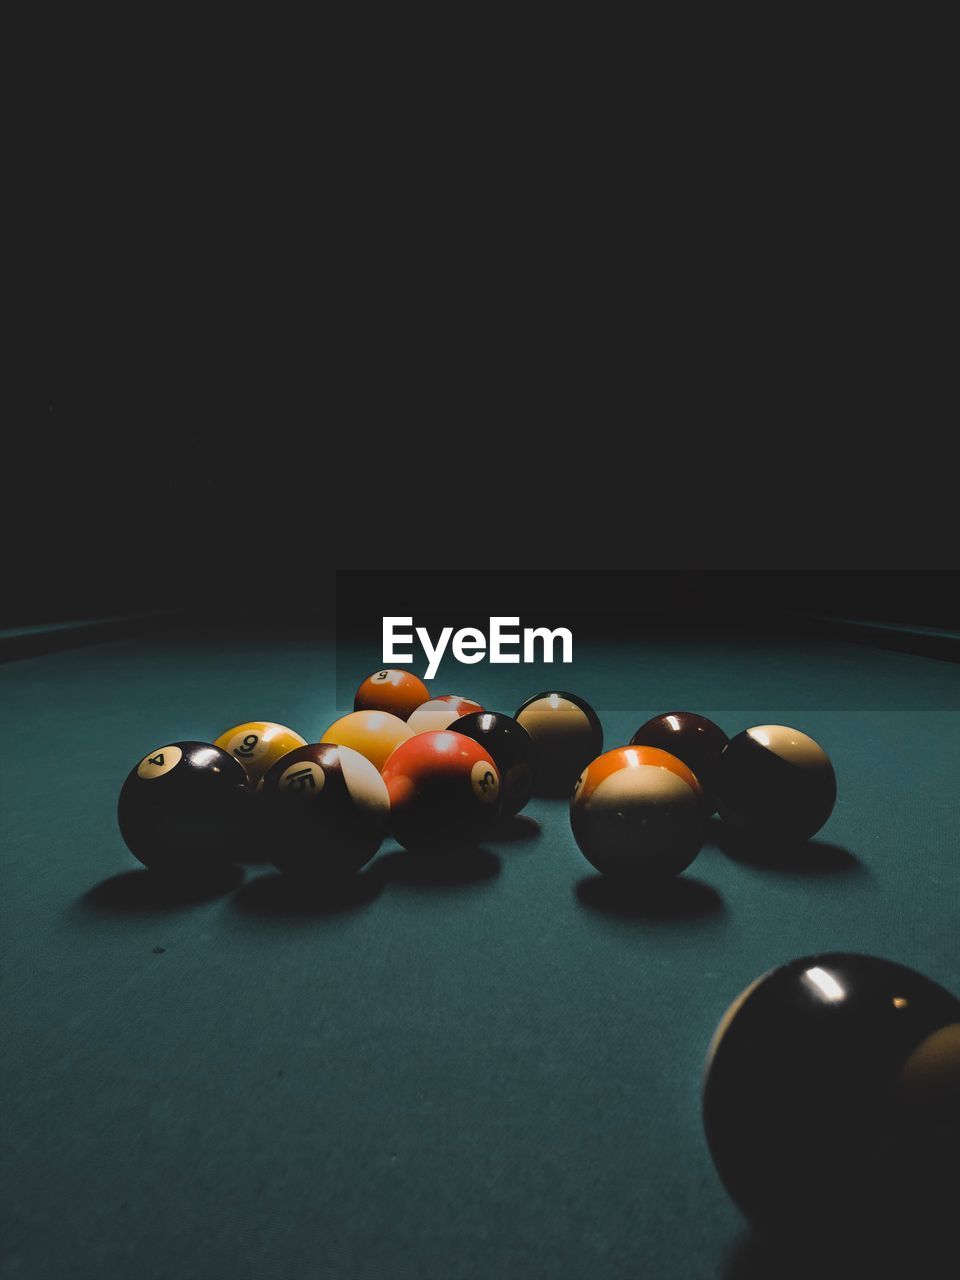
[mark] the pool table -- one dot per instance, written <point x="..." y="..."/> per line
<point x="488" y="1067"/>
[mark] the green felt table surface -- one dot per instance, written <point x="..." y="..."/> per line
<point x="489" y="1072"/>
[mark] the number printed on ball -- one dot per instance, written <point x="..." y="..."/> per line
<point x="159" y="762"/>
<point x="244" y="746"/>
<point x="485" y="782"/>
<point x="303" y="778"/>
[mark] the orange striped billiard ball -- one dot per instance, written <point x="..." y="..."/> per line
<point x="638" y="813"/>
<point x="393" y="690"/>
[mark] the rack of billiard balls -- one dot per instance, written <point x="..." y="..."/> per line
<point x="832" y="1087"/>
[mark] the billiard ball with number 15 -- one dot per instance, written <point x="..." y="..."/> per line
<point x="323" y="811"/>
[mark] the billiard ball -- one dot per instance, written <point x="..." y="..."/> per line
<point x="444" y="792"/>
<point x="637" y="813"/>
<point x="693" y="739"/>
<point x="566" y="734"/>
<point x="440" y="713"/>
<point x="775" y="783"/>
<point x="832" y="1095"/>
<point x="511" y="748"/>
<point x="324" y="811"/>
<point x="182" y="808"/>
<point x="258" y="744"/>
<point x="399" y="692"/>
<point x="373" y="733"/>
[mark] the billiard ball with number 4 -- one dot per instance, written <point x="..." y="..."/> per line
<point x="444" y="792"/>
<point x="182" y="808"/>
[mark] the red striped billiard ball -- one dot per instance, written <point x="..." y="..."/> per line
<point x="444" y="792"/>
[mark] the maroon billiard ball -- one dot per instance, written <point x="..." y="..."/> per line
<point x="693" y="739"/>
<point x="323" y="811"/>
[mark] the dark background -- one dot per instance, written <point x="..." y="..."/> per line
<point x="133" y="492"/>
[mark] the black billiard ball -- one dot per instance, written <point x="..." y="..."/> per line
<point x="567" y="735"/>
<point x="323" y="811"/>
<point x="832" y="1095"/>
<point x="774" y="782"/>
<point x="182" y="808"/>
<point x="444" y="792"/>
<point x="512" y="750"/>
<point x="693" y="739"/>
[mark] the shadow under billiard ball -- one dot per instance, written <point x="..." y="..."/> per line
<point x="143" y="891"/>
<point x="680" y="898"/>
<point x="290" y="896"/>
<point x="452" y="867"/>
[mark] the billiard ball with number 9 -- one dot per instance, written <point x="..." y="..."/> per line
<point x="258" y="744"/>
<point x="444" y="792"/>
<point x="181" y="809"/>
